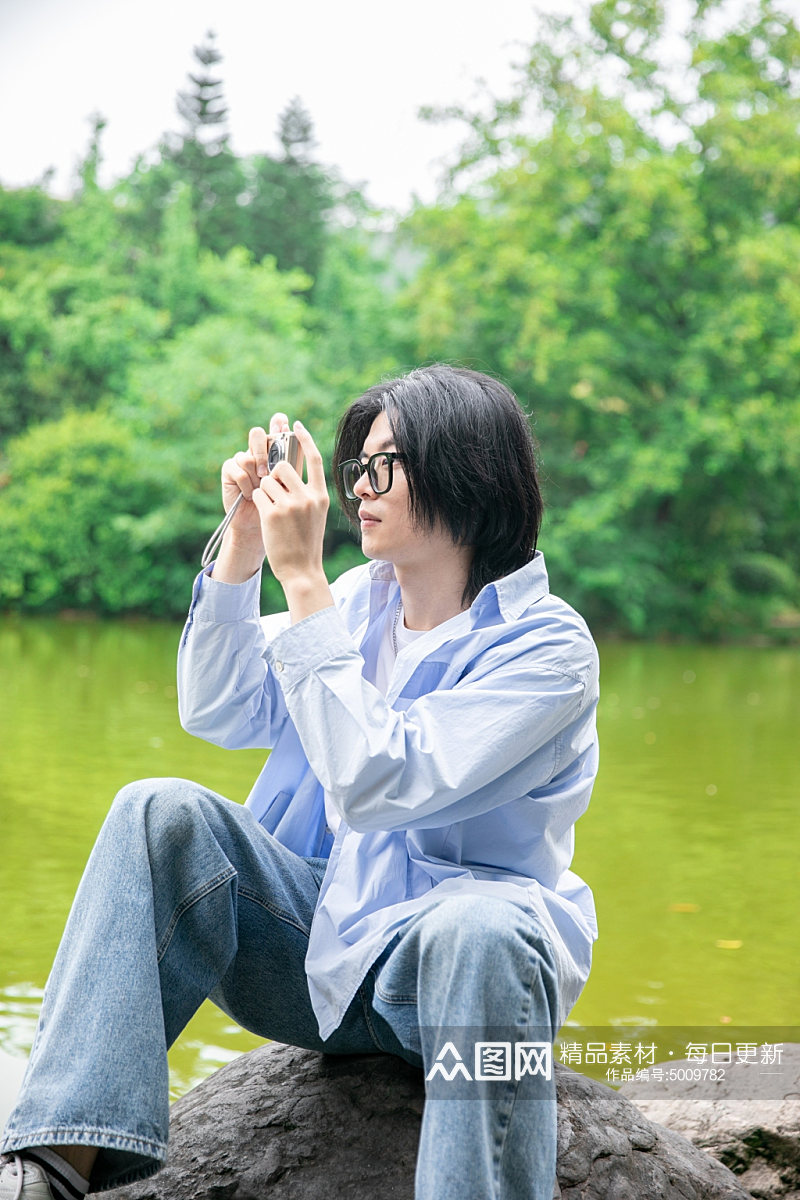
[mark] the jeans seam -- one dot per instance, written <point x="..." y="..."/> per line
<point x="188" y="902"/>
<point x="504" y="1118"/>
<point x="287" y="918"/>
<point x="367" y="1016"/>
<point x="61" y="1135"/>
<point x="394" y="999"/>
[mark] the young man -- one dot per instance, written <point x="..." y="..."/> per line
<point x="399" y="879"/>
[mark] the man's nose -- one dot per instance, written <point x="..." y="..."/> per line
<point x="362" y="486"/>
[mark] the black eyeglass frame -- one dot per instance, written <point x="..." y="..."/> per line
<point x="391" y="457"/>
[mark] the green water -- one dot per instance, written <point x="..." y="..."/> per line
<point x="690" y="843"/>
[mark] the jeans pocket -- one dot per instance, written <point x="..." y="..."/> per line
<point x="395" y="974"/>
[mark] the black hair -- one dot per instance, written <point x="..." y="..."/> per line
<point x="469" y="458"/>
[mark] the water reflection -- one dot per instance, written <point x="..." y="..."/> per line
<point x="689" y="844"/>
<point x="19" y="1009"/>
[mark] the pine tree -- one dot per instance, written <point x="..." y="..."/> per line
<point x="296" y="132"/>
<point x="203" y="157"/>
<point x="204" y="109"/>
<point x="291" y="197"/>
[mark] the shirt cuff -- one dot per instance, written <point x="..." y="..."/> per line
<point x="217" y="602"/>
<point x="307" y="645"/>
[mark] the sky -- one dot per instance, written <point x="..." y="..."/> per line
<point x="361" y="67"/>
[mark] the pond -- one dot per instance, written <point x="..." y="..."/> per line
<point x="690" y="843"/>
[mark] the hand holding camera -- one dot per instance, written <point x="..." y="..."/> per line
<point x="293" y="514"/>
<point x="241" y="476"/>
<point x="270" y="510"/>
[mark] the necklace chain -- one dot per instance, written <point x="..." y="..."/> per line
<point x="395" y="623"/>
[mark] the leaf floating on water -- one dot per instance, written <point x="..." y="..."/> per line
<point x="682" y="907"/>
<point x="633" y="1022"/>
<point x="734" y="944"/>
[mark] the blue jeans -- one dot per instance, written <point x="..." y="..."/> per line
<point x="186" y="896"/>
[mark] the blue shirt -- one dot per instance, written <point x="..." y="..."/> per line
<point x="468" y="775"/>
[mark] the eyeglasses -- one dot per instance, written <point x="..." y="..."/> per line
<point x="379" y="471"/>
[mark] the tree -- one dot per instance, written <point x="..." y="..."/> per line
<point x="290" y="198"/>
<point x="68" y="494"/>
<point x="28" y="216"/>
<point x="272" y="205"/>
<point x="204" y="108"/>
<point x="71" y="322"/>
<point x="296" y="132"/>
<point x="625" y="256"/>
<point x="178" y="265"/>
<point x="358" y="330"/>
<point x="200" y="157"/>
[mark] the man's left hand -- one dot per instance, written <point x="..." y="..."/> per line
<point x="293" y="518"/>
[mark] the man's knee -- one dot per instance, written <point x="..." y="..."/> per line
<point x="166" y="807"/>
<point x="481" y="928"/>
<point x="485" y="959"/>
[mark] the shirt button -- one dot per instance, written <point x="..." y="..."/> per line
<point x="278" y="666"/>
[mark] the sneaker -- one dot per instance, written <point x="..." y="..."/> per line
<point x="21" y="1180"/>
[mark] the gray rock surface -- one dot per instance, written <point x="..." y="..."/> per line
<point x="286" y="1124"/>
<point x="749" y="1120"/>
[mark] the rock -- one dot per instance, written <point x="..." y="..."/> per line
<point x="608" y="1150"/>
<point x="286" y="1124"/>
<point x="749" y="1119"/>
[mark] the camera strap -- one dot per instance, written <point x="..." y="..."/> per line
<point x="214" y="542"/>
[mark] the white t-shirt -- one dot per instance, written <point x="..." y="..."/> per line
<point x="383" y="673"/>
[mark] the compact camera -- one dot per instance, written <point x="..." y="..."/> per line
<point x="281" y="447"/>
<point x="284" y="447"/>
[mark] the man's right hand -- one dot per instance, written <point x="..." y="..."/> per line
<point x="242" y="550"/>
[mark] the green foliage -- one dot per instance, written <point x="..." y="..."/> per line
<point x="642" y="297"/>
<point x="216" y="180"/>
<point x="204" y="107"/>
<point x="141" y="402"/>
<point x="68" y="334"/>
<point x="68" y="495"/>
<point x="286" y="210"/>
<point x="357" y="326"/>
<point x="201" y="158"/>
<point x="28" y="216"/>
<point x="289" y="198"/>
<point x="271" y="205"/>
<point x="619" y="240"/>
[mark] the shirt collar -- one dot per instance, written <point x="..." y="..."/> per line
<point x="381" y="570"/>
<point x="515" y="592"/>
<point x="512" y="594"/>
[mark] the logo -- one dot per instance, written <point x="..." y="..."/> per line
<point x="495" y="1061"/>
<point x="440" y="1069"/>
